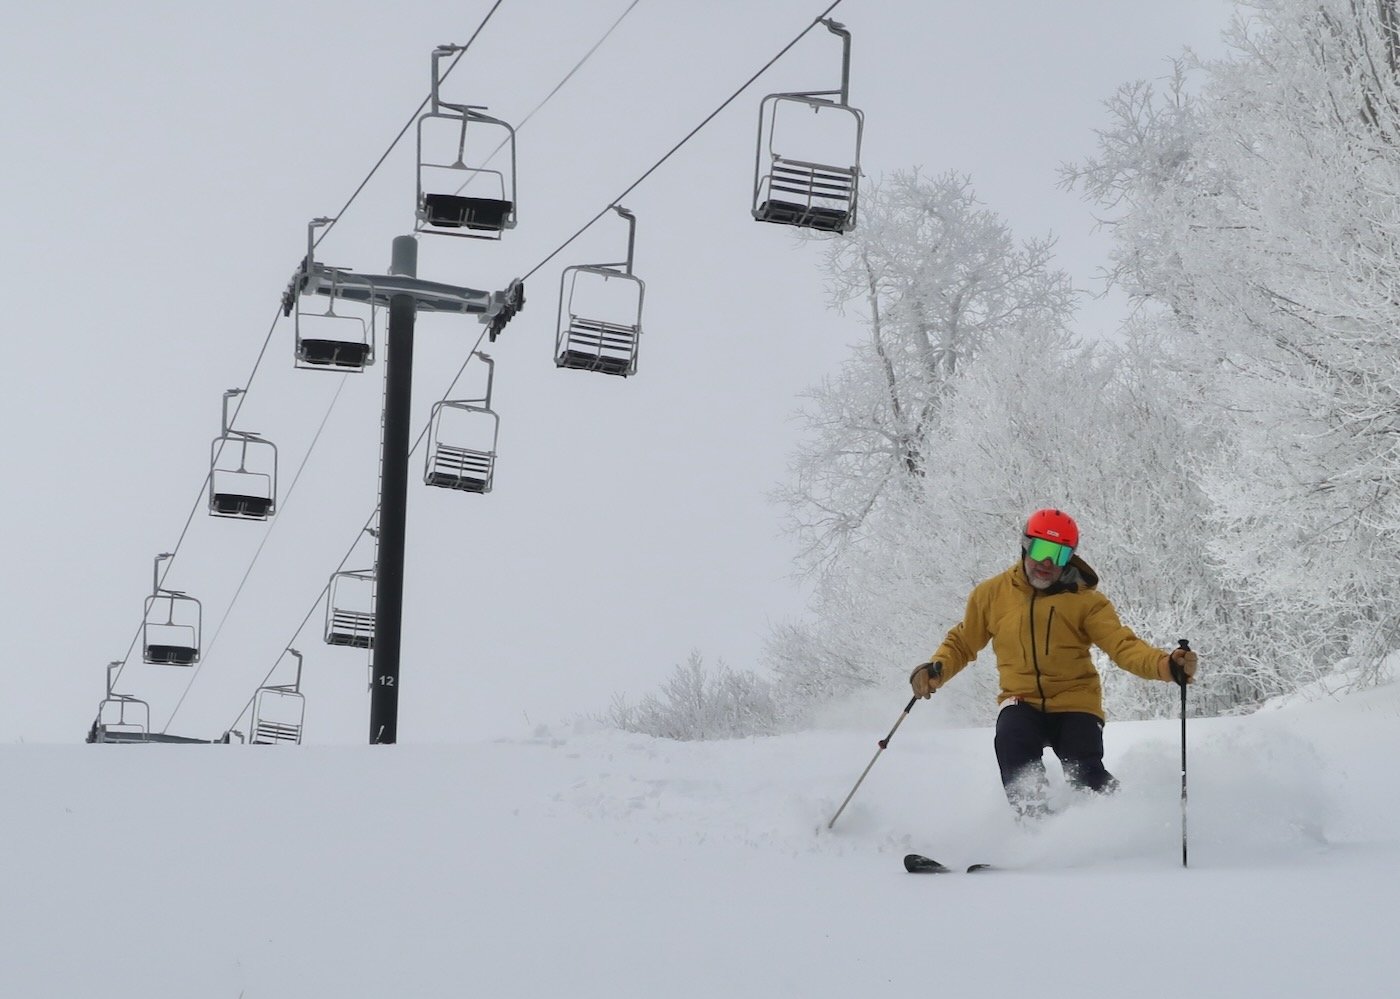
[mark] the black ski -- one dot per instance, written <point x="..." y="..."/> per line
<point x="916" y="863"/>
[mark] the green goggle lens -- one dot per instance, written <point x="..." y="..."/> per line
<point x="1039" y="550"/>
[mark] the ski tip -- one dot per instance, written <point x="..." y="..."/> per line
<point x="916" y="864"/>
<point x="980" y="867"/>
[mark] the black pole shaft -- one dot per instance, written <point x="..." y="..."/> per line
<point x="1183" y="775"/>
<point x="1181" y="678"/>
<point x="393" y="516"/>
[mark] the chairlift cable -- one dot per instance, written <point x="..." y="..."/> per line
<point x="690" y="135"/>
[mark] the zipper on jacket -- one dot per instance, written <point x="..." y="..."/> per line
<point x="1048" y="625"/>
<point x="1035" y="660"/>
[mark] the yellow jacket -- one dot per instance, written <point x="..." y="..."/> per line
<point x="1041" y="639"/>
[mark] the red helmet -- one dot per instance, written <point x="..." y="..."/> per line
<point x="1053" y="525"/>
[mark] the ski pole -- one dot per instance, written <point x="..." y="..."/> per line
<point x="1179" y="675"/>
<point x="882" y="744"/>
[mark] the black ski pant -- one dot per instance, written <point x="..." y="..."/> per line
<point x="1024" y="732"/>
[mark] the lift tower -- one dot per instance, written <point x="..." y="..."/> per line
<point x="404" y="294"/>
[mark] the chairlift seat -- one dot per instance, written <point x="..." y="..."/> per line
<point x="117" y="733"/>
<point x="241" y="505"/>
<point x="343" y="354"/>
<point x="827" y="194"/>
<point x="596" y="345"/>
<point x="460" y="468"/>
<point x="171" y="655"/>
<point x="133" y="737"/>
<point x="807" y="216"/>
<point x="583" y="361"/>
<point x="453" y="211"/>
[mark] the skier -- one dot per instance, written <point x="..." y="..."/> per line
<point x="1041" y="615"/>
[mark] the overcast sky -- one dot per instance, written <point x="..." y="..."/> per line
<point x="163" y="160"/>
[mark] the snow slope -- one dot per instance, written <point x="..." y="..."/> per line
<point x="593" y="863"/>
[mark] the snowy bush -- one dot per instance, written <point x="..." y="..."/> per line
<point x="700" y="703"/>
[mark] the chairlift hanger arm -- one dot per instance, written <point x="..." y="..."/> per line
<point x="228" y="431"/>
<point x="836" y="28"/>
<point x="631" y="232"/>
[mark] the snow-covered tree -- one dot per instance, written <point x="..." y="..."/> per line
<point x="934" y="274"/>
<point x="1264" y="216"/>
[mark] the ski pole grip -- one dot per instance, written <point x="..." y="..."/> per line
<point x="1178" y="673"/>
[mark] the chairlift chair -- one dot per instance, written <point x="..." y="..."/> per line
<point x="120" y="717"/>
<point x="242" y="472"/>
<point x="462" y="441"/>
<point x="451" y="141"/>
<point x="170" y="629"/>
<point x="600" y="313"/>
<point x="817" y="188"/>
<point x="333" y="341"/>
<point x="350" y="609"/>
<point x="329" y="340"/>
<point x="278" y="712"/>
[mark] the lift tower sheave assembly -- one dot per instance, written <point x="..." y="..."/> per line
<point x="404" y="294"/>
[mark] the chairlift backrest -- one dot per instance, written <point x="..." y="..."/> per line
<point x="807" y="166"/>
<point x="350" y="609"/>
<point x="458" y="192"/>
<point x="600" y="314"/>
<point x="277" y="716"/>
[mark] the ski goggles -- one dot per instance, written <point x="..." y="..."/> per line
<point x="1039" y="549"/>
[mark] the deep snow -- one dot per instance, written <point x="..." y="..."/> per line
<point x="579" y="862"/>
